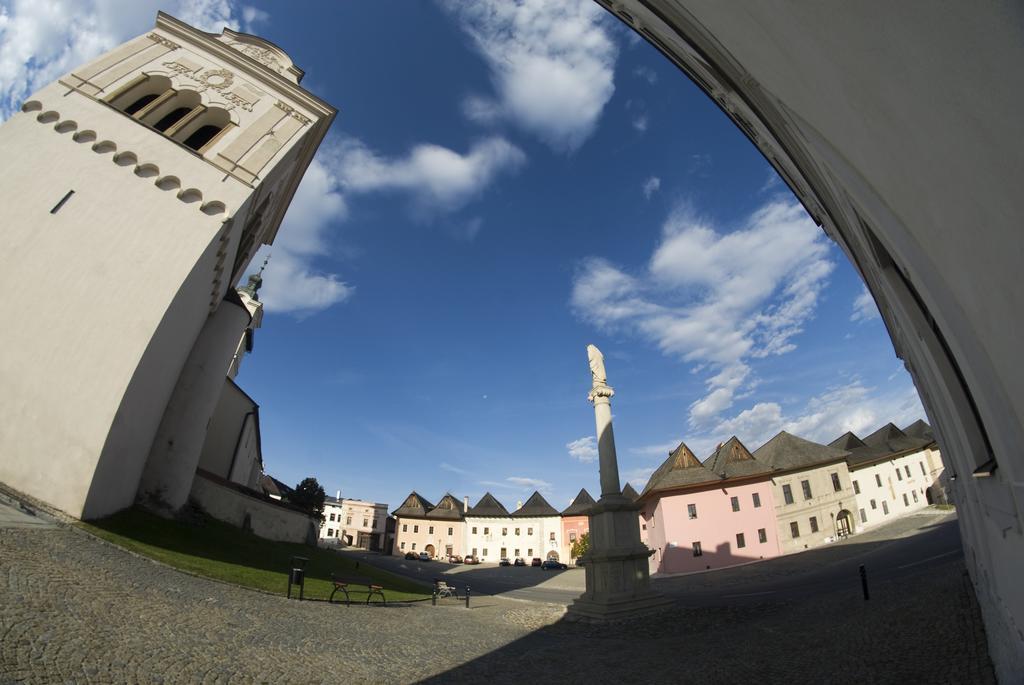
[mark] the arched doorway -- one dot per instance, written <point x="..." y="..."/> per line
<point x="844" y="523"/>
<point x="429" y="549"/>
<point x="553" y="555"/>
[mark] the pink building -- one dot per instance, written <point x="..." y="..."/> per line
<point x="696" y="519"/>
<point x="575" y="523"/>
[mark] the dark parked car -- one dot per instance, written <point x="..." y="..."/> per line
<point x="519" y="562"/>
<point x="455" y="559"/>
<point x="411" y="556"/>
<point x="535" y="562"/>
<point x="504" y="562"/>
<point x="552" y="565"/>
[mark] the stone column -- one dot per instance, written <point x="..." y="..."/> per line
<point x="618" y="580"/>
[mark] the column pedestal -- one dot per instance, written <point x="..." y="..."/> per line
<point x="618" y="580"/>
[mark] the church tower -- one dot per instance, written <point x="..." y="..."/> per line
<point x="134" y="192"/>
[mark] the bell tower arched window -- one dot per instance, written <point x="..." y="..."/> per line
<point x="201" y="136"/>
<point x="171" y="118"/>
<point x="140" y="103"/>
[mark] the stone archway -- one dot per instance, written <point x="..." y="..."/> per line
<point x="429" y="549"/>
<point x="553" y="555"/>
<point x="844" y="523"/>
<point x="918" y="193"/>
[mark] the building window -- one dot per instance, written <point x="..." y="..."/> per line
<point x="551" y="536"/>
<point x="517" y="533"/>
<point x="450" y="531"/>
<point x="878" y="480"/>
<point x="836" y="485"/>
<point x="401" y="545"/>
<point x="906" y="500"/>
<point x="885" y="507"/>
<point x="365" y="522"/>
<point x="643" y="526"/>
<point x="735" y="503"/>
<point x="201" y="136"/>
<point x="140" y="103"/>
<point x="330" y="532"/>
<point x="923" y="472"/>
<point x="430" y="530"/>
<point x="787" y="493"/>
<point x="873" y="505"/>
<point x="171" y="119"/>
<point x="794" y="528"/>
<point x="806" y="485"/>
<point x="517" y="553"/>
<point x="692" y="510"/>
<point x="474" y="530"/>
<point x="414" y="546"/>
<point x="348" y="520"/>
<point x="529" y="552"/>
<point x="405" y="528"/>
<point x="696" y="549"/>
<point x="899" y="476"/>
<point x="762" y="535"/>
<point x="504" y="532"/>
<point x="814" y="524"/>
<point x="529" y="531"/>
<point x="373" y="524"/>
<point x="856" y="488"/>
<point x="572" y="535"/>
<point x="487" y="531"/>
<point x="741" y="542"/>
<point x="863" y="516"/>
<point x="415" y="529"/>
<point x="906" y="467"/>
<point x="332" y="517"/>
<point x="757" y="500"/>
<point x="474" y="551"/>
<point x="914" y="493"/>
<point x="485" y="552"/>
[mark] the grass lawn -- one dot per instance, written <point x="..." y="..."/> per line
<point x="217" y="550"/>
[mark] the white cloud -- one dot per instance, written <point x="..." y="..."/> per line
<point x="640" y="122"/>
<point x="291" y="283"/>
<point x="529" y="483"/>
<point x="638" y="477"/>
<point x="651" y="186"/>
<point x="552" y="65"/>
<point x="647" y="74"/>
<point x="584" y="449"/>
<point x="713" y="298"/>
<point x="40" y="41"/>
<point x="454" y="469"/>
<point x="439" y="179"/>
<point x="864" y="307"/>
<point x="823" y="418"/>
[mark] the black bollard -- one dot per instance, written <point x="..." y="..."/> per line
<point x="433" y="597"/>
<point x="467" y="596"/>
<point x="864" y="582"/>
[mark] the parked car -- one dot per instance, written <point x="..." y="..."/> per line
<point x="455" y="559"/>
<point x="504" y="562"/>
<point x="519" y="562"/>
<point x="424" y="556"/>
<point x="535" y="562"/>
<point x="411" y="556"/>
<point x="470" y="559"/>
<point x="552" y="565"/>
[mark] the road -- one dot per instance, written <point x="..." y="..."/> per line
<point x="897" y="552"/>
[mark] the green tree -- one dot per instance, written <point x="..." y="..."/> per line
<point x="580" y="547"/>
<point x="309" y="496"/>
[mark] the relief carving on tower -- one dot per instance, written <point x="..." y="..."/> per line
<point x="242" y="96"/>
<point x="261" y="55"/>
<point x="292" y="112"/>
<point x="163" y="41"/>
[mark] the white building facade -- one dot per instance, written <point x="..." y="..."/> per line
<point x="354" y="522"/>
<point x="534" y="530"/>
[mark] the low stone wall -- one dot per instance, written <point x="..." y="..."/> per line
<point x="225" y="501"/>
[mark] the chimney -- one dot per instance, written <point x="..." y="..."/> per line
<point x="338" y="496"/>
<point x="465" y="503"/>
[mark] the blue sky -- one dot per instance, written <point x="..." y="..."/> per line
<point x="505" y="183"/>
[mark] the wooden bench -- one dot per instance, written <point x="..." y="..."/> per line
<point x="343" y="585"/>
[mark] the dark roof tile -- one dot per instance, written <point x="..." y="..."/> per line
<point x="581" y="504"/>
<point x="535" y="506"/>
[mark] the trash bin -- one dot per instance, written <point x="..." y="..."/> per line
<point x="297" y="575"/>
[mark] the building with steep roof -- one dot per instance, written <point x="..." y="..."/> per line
<point x="695" y="518"/>
<point x="534" y="529"/>
<point x="575" y="522"/>
<point x="354" y="522"/>
<point x="814" y="501"/>
<point x="437" y="529"/>
<point x="893" y="471"/>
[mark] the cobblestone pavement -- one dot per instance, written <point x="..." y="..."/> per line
<point x="76" y="609"/>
